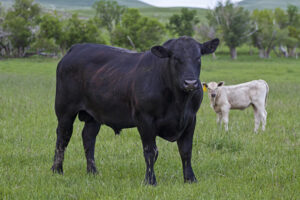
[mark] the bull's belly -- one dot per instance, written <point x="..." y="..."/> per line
<point x="172" y="129"/>
<point x="116" y="117"/>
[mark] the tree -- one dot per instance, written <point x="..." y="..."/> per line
<point x="21" y="23"/>
<point x="51" y="36"/>
<point x="4" y="42"/>
<point x="56" y="33"/>
<point x="205" y="32"/>
<point x="183" y="23"/>
<point x="137" y="32"/>
<point x="233" y="23"/>
<point x="294" y="30"/>
<point x="108" y="13"/>
<point x="82" y="31"/>
<point x="269" y="33"/>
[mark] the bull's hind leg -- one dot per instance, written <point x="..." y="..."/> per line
<point x="89" y="133"/>
<point x="64" y="132"/>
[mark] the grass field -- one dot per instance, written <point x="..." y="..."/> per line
<point x="162" y="14"/>
<point x="234" y="165"/>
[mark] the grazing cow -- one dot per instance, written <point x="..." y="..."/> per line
<point x="223" y="98"/>
<point x="157" y="91"/>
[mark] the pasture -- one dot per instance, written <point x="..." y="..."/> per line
<point x="234" y="165"/>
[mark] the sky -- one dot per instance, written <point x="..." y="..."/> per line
<point x="185" y="3"/>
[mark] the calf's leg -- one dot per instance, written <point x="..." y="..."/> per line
<point x="225" y="118"/>
<point x="219" y="119"/>
<point x="263" y="118"/>
<point x="256" y="120"/>
<point x="89" y="133"/>
<point x="185" y="144"/>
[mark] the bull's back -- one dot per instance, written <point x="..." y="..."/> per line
<point x="95" y="78"/>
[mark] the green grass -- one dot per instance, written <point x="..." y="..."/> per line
<point x="162" y="14"/>
<point x="234" y="165"/>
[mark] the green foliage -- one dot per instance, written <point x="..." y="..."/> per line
<point x="81" y="31"/>
<point x="183" y="23"/>
<point x="232" y="22"/>
<point x="51" y="27"/>
<point x="281" y="18"/>
<point x="276" y="28"/>
<point x="108" y="13"/>
<point x="293" y="16"/>
<point x="21" y="23"/>
<point x="265" y="37"/>
<point x="64" y="33"/>
<point x="137" y="32"/>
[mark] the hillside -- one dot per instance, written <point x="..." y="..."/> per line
<point x="269" y="4"/>
<point x="71" y="4"/>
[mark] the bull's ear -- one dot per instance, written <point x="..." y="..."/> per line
<point x="204" y="84"/>
<point x="161" y="51"/>
<point x="221" y="83"/>
<point x="210" y="46"/>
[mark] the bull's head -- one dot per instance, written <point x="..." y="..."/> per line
<point x="184" y="56"/>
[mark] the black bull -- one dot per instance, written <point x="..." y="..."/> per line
<point x="157" y="91"/>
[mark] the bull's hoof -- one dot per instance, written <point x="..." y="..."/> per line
<point x="190" y="180"/>
<point x="91" y="169"/>
<point x="57" y="169"/>
<point x="151" y="182"/>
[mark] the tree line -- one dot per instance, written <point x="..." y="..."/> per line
<point x="26" y="29"/>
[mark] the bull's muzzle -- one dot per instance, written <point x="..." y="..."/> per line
<point x="213" y="95"/>
<point x="190" y="85"/>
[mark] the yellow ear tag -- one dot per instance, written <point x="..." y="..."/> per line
<point x="204" y="89"/>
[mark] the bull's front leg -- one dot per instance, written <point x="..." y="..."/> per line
<point x="148" y="136"/>
<point x="185" y="144"/>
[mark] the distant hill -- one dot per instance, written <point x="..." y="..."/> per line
<point x="268" y="4"/>
<point x="71" y="4"/>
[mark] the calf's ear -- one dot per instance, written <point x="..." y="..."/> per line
<point x="204" y="84"/>
<point x="221" y="83"/>
<point x="161" y="52"/>
<point x="209" y="47"/>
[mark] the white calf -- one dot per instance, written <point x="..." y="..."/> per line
<point x="223" y="98"/>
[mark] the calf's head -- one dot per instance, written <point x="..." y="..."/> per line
<point x="184" y="60"/>
<point x="212" y="88"/>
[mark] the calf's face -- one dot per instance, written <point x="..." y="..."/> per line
<point x="184" y="56"/>
<point x="212" y="88"/>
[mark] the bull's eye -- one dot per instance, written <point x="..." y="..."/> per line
<point x="177" y="59"/>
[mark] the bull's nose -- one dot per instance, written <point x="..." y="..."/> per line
<point x="191" y="84"/>
<point x="213" y="95"/>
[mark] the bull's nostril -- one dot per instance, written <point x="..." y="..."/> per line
<point x="213" y="95"/>
<point x="190" y="82"/>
